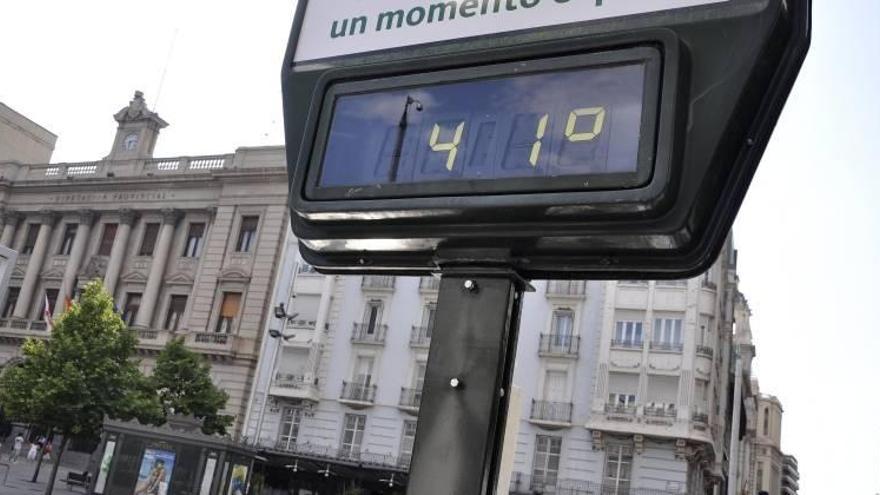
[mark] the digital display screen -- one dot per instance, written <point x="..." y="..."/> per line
<point x="583" y="122"/>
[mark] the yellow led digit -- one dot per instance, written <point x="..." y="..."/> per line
<point x="598" y="124"/>
<point x="536" y="148"/>
<point x="451" y="147"/>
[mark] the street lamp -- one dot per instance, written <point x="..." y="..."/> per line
<point x="398" y="145"/>
<point x="281" y="314"/>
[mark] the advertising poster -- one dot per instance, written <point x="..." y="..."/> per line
<point x="155" y="473"/>
<point x="238" y="480"/>
<point x="109" y="449"/>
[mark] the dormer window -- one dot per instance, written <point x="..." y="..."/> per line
<point x="130" y="142"/>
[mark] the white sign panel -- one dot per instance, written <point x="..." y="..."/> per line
<point x="334" y="28"/>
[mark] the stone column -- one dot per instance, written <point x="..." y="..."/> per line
<point x="74" y="261"/>
<point x="35" y="264"/>
<point x="117" y="253"/>
<point x="157" y="269"/>
<point x="10" y="222"/>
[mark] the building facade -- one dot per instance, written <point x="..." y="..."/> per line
<point x="23" y="140"/>
<point x="189" y="247"/>
<point x="768" y="443"/>
<point x="625" y="386"/>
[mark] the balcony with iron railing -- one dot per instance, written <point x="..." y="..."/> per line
<point x="377" y="282"/>
<point x="525" y="484"/>
<point x="672" y="283"/>
<point x="211" y="343"/>
<point x="358" y="394"/>
<point x="660" y="411"/>
<point x="551" y="413"/>
<point x="420" y="336"/>
<point x="294" y="386"/>
<point x="566" y="288"/>
<point x="348" y="456"/>
<point x="365" y="333"/>
<point x="429" y="284"/>
<point x="620" y="409"/>
<point x="410" y="398"/>
<point x="627" y="344"/>
<point x="705" y="351"/>
<point x="667" y="346"/>
<point x="557" y="344"/>
<point x="700" y="417"/>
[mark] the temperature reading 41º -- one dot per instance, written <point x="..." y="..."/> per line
<point x="547" y="124"/>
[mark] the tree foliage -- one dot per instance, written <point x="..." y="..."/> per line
<point x="83" y="373"/>
<point x="182" y="380"/>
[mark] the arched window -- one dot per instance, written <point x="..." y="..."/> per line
<point x="766" y="421"/>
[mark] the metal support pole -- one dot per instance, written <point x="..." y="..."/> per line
<point x="467" y="382"/>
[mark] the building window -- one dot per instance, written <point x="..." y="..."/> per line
<point x="628" y="333"/>
<point x="372" y="316"/>
<point x="407" y="442"/>
<point x="353" y="435"/>
<point x="618" y="468"/>
<point x="247" y="235"/>
<point x="622" y="400"/>
<point x="132" y="305"/>
<point x="760" y="478"/>
<point x="67" y="239"/>
<point x="30" y="238"/>
<point x="766" y="421"/>
<point x="148" y="243"/>
<point x="667" y="333"/>
<point x="291" y="417"/>
<point x="562" y="327"/>
<point x="428" y="319"/>
<point x="545" y="468"/>
<point x="554" y="385"/>
<point x="228" y="312"/>
<point x="48" y="299"/>
<point x="176" y="307"/>
<point x="107" y="238"/>
<point x="363" y="371"/>
<point x="193" y="246"/>
<point x="11" y="300"/>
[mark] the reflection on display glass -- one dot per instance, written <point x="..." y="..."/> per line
<point x="563" y="123"/>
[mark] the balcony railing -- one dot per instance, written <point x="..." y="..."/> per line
<point x="212" y="338"/>
<point x="381" y="282"/>
<point x="420" y="336"/>
<point x="365" y="333"/>
<point x="699" y="417"/>
<point x="148" y="334"/>
<point x="285" y="380"/>
<point x="660" y="412"/>
<point x="524" y="484"/>
<point x="559" y="344"/>
<point x="707" y="351"/>
<point x="667" y="346"/>
<point x="556" y="412"/>
<point x="410" y="397"/>
<point x="429" y="284"/>
<point x="620" y="409"/>
<point x="627" y="344"/>
<point x="327" y="453"/>
<point x="672" y="283"/>
<point x="358" y="392"/>
<point x="571" y="288"/>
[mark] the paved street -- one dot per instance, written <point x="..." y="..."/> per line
<point x="16" y="478"/>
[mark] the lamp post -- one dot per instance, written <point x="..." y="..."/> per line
<point x="281" y="314"/>
<point x="398" y="145"/>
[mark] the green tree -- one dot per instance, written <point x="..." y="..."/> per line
<point x="81" y="374"/>
<point x="182" y="380"/>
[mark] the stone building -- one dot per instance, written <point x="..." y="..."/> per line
<point x="188" y="246"/>
<point x="625" y="386"/>
<point x="22" y="139"/>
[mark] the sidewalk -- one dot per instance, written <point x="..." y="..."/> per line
<point x="16" y="478"/>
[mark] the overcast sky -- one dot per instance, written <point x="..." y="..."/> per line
<point x="807" y="236"/>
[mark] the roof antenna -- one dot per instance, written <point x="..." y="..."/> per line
<point x="165" y="70"/>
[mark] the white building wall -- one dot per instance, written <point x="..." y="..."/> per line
<point x="665" y="456"/>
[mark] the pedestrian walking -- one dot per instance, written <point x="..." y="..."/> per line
<point x="32" y="453"/>
<point x="16" y="448"/>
